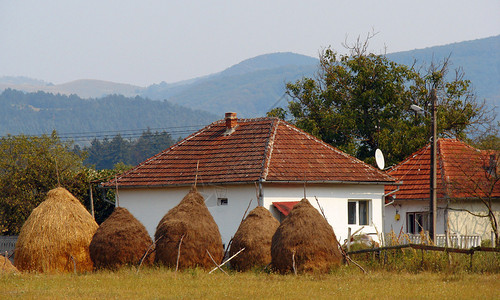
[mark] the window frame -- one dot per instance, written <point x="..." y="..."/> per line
<point x="358" y="215"/>
<point x="222" y="201"/>
<point x="413" y="225"/>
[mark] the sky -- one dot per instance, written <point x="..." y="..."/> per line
<point x="146" y="42"/>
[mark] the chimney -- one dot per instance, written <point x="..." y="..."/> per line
<point x="231" y="122"/>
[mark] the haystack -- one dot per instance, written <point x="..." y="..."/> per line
<point x="120" y="240"/>
<point x="191" y="221"/>
<point x="306" y="238"/>
<point x="56" y="236"/>
<point x="254" y="234"/>
<point x="6" y="266"/>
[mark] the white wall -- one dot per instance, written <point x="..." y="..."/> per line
<point x="464" y="223"/>
<point x="150" y="205"/>
<point x="403" y="207"/>
<point x="333" y="199"/>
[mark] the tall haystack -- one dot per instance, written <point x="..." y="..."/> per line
<point x="254" y="234"/>
<point x="306" y="239"/>
<point x="120" y="240"/>
<point x="56" y="236"/>
<point x="191" y="221"/>
<point x="6" y="266"/>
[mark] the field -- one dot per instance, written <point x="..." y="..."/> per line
<point x="159" y="283"/>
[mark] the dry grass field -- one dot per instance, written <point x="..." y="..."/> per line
<point x="160" y="283"/>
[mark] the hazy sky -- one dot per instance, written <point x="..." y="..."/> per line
<point x="145" y="42"/>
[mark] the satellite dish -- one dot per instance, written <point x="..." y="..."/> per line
<point x="379" y="158"/>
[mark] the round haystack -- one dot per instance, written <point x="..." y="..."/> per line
<point x="56" y="236"/>
<point x="254" y="234"/>
<point x="120" y="240"/>
<point x="306" y="238"/>
<point x="6" y="266"/>
<point x="191" y="221"/>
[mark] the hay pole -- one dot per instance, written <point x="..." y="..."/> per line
<point x="293" y="263"/>
<point x="91" y="201"/>
<point x="57" y="173"/>
<point x="196" y="175"/>
<point x="117" y="204"/>
<point x="213" y="260"/>
<point x="147" y="253"/>
<point x="321" y="209"/>
<point x="179" y="253"/>
<point x="227" y="260"/>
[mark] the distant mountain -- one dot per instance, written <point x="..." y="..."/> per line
<point x="479" y="59"/>
<point x="249" y="88"/>
<point x="40" y="112"/>
<point x="84" y="88"/>
<point x="269" y="62"/>
<point x="256" y="85"/>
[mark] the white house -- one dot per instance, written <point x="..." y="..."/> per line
<point x="467" y="181"/>
<point x="266" y="161"/>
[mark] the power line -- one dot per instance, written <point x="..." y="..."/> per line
<point x="125" y="133"/>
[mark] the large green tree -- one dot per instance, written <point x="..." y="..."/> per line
<point x="361" y="101"/>
<point x="30" y="166"/>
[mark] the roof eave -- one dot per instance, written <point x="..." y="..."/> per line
<point x="336" y="182"/>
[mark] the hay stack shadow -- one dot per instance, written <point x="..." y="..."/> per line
<point x="56" y="236"/>
<point x="191" y="221"/>
<point x="306" y="240"/>
<point x="120" y="240"/>
<point x="6" y="266"/>
<point x="254" y="234"/>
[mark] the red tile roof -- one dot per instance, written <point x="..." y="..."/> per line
<point x="462" y="172"/>
<point x="285" y="207"/>
<point x="266" y="149"/>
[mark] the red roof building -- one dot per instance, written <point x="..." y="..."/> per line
<point x="462" y="172"/>
<point x="249" y="150"/>
<point x="266" y="160"/>
<point x="467" y="178"/>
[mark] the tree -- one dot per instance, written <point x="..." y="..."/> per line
<point x="361" y="101"/>
<point x="30" y="166"/>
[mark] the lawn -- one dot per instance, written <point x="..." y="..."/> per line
<point x="160" y="283"/>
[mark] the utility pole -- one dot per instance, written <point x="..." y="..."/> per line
<point x="433" y="170"/>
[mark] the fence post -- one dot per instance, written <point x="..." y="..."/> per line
<point x="348" y="239"/>
<point x="471" y="255"/>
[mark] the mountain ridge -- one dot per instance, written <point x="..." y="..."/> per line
<point x="256" y="84"/>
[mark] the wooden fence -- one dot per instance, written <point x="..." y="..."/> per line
<point x="423" y="247"/>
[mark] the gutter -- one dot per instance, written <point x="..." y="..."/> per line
<point x="337" y="182"/>
<point x="385" y="205"/>
<point x="390" y="193"/>
<point x="260" y="182"/>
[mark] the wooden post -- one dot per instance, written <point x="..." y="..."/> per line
<point x="348" y="239"/>
<point x="91" y="201"/>
<point x="433" y="175"/>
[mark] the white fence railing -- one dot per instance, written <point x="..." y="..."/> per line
<point x="7" y="243"/>
<point x="454" y="241"/>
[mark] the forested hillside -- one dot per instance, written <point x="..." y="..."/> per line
<point x="36" y="113"/>
<point x="106" y="153"/>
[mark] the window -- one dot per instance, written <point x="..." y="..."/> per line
<point x="221" y="201"/>
<point x="358" y="212"/>
<point x="417" y="222"/>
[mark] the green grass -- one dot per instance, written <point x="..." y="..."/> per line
<point x="161" y="283"/>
